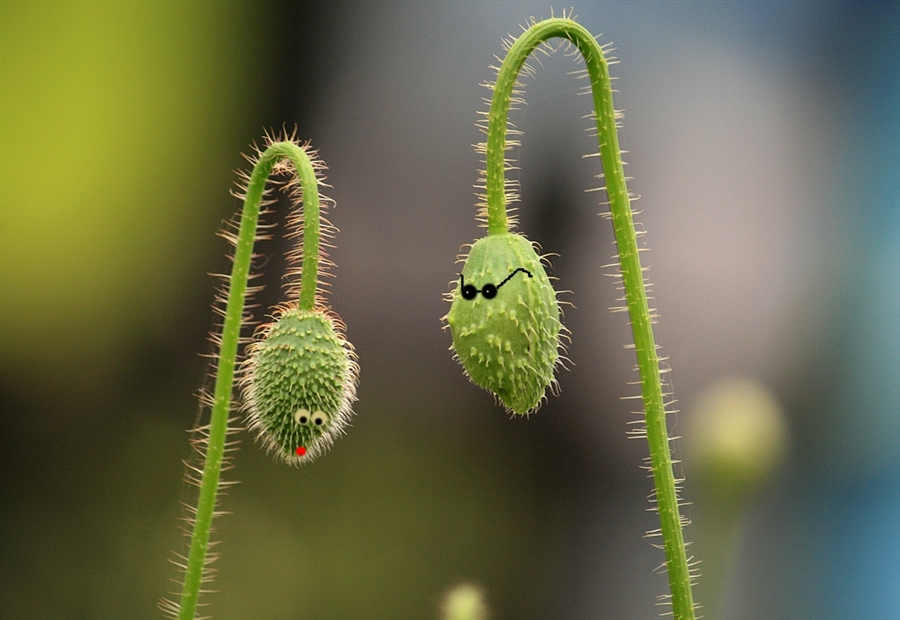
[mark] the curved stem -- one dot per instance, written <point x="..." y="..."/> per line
<point x="629" y="261"/>
<point x="310" y="267"/>
<point x="231" y="328"/>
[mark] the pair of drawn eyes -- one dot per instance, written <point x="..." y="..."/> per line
<point x="303" y="417"/>
<point x="488" y="291"/>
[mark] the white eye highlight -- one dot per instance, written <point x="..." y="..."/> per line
<point x="302" y="416"/>
<point x="319" y="418"/>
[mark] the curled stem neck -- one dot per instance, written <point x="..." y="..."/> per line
<point x="629" y="263"/>
<point x="231" y="328"/>
<point x="306" y="175"/>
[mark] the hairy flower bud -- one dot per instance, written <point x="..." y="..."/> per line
<point x="300" y="384"/>
<point x="504" y="319"/>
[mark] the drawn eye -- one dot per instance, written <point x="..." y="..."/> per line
<point x="469" y="292"/>
<point x="319" y="418"/>
<point x="302" y="416"/>
<point x="489" y="291"/>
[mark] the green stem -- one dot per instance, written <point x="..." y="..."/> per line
<point x="231" y="328"/>
<point x="629" y="261"/>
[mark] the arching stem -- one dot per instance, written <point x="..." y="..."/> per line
<point x="629" y="261"/>
<point x="231" y="329"/>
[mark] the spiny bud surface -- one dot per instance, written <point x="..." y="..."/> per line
<point x="300" y="384"/>
<point x="504" y="319"/>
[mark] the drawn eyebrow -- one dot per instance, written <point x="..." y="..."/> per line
<point x="488" y="291"/>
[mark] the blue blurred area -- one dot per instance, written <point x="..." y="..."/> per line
<point x="861" y="507"/>
<point x="764" y="140"/>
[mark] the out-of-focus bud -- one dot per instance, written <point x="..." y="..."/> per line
<point x="734" y="441"/>
<point x="464" y="602"/>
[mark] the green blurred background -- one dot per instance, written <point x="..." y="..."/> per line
<point x="764" y="142"/>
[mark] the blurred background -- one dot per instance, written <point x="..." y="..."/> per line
<point x="764" y="141"/>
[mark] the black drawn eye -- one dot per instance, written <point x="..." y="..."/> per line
<point x="488" y="291"/>
<point x="302" y="416"/>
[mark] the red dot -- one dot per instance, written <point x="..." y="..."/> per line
<point x="301" y="450"/>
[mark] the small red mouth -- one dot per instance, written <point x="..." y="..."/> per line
<point x="301" y="450"/>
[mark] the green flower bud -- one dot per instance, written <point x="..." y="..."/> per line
<point x="504" y="319"/>
<point x="300" y="383"/>
<point x="736" y="439"/>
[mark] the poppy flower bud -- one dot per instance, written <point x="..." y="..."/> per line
<point x="504" y="319"/>
<point x="300" y="383"/>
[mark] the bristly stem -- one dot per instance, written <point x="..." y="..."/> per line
<point x="629" y="261"/>
<point x="230" y="337"/>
